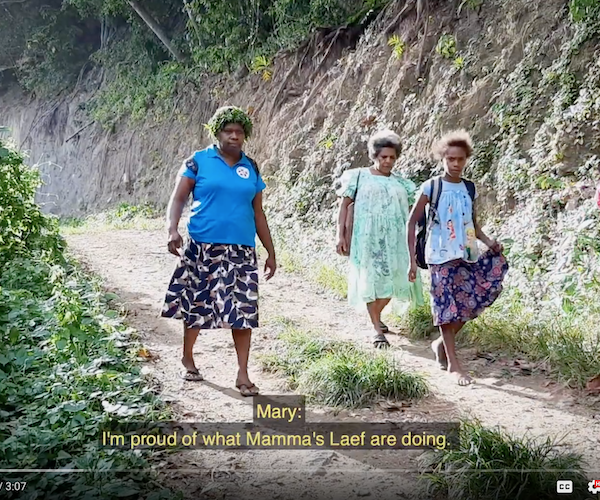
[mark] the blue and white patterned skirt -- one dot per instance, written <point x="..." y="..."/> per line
<point x="214" y="286"/>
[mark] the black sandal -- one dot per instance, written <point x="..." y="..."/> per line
<point x="380" y="342"/>
<point x="384" y="327"/>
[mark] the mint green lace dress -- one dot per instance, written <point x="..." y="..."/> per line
<point x="379" y="259"/>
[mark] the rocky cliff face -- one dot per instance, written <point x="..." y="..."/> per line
<point x="518" y="74"/>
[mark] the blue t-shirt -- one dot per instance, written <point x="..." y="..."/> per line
<point x="222" y="210"/>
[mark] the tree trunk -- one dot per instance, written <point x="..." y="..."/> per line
<point x="156" y="28"/>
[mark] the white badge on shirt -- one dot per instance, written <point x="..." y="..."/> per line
<point x="243" y="172"/>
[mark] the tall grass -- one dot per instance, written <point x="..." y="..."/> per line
<point x="417" y="322"/>
<point x="565" y="343"/>
<point x="340" y="374"/>
<point x="490" y="464"/>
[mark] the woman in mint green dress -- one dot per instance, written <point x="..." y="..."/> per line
<point x="378" y="251"/>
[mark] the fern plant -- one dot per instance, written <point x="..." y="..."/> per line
<point x="262" y="65"/>
<point x="397" y="45"/>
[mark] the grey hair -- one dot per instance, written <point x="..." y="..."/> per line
<point x="384" y="139"/>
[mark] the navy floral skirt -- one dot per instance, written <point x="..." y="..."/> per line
<point x="460" y="290"/>
<point x="214" y="286"/>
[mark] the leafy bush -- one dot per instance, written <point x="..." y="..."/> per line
<point x="67" y="363"/>
<point x="446" y="46"/>
<point x="584" y="10"/>
<point x="23" y="227"/>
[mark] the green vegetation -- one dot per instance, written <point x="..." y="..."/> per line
<point x="565" y="346"/>
<point x="124" y="216"/>
<point x="23" y="227"/>
<point x="261" y="65"/>
<point x="398" y="46"/>
<point x="489" y="464"/>
<point x="446" y="46"/>
<point x="146" y="51"/>
<point x="471" y="4"/>
<point x="417" y="323"/>
<point x="67" y="363"/>
<point x="340" y="374"/>
<point x="584" y="10"/>
<point x="331" y="279"/>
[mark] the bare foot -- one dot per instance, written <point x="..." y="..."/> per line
<point x="462" y="378"/>
<point x="437" y="346"/>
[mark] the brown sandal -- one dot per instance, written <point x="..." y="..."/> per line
<point x="247" y="390"/>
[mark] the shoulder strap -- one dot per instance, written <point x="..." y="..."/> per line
<point x="192" y="164"/>
<point x="436" y="191"/>
<point x="254" y="165"/>
<point x="470" y="188"/>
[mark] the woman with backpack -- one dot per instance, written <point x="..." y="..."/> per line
<point x="463" y="282"/>
<point x="378" y="201"/>
<point x="215" y="284"/>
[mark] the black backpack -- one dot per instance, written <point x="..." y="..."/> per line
<point x="193" y="165"/>
<point x="426" y="222"/>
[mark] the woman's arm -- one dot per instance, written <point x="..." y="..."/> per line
<point x="342" y="242"/>
<point x="264" y="234"/>
<point x="416" y="214"/>
<point x="179" y="197"/>
<point x="481" y="236"/>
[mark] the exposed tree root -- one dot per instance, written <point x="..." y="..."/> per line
<point x="423" y="40"/>
<point x="389" y="29"/>
<point x="295" y="67"/>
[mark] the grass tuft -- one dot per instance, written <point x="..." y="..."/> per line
<point x="340" y="374"/>
<point x="417" y="322"/>
<point x="331" y="279"/>
<point x="489" y="464"/>
<point x="354" y="378"/>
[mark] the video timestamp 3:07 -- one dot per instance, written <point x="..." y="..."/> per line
<point x="12" y="486"/>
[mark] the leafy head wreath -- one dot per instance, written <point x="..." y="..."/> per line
<point x="229" y="114"/>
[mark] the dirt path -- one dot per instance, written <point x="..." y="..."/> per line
<point x="136" y="266"/>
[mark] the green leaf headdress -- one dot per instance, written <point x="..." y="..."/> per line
<point x="229" y="114"/>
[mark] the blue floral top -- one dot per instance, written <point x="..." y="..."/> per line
<point x="452" y="234"/>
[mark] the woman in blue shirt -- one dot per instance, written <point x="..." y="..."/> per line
<point x="215" y="284"/>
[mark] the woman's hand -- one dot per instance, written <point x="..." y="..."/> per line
<point x="495" y="246"/>
<point x="342" y="247"/>
<point x="412" y="272"/>
<point x="270" y="267"/>
<point x="175" y="242"/>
